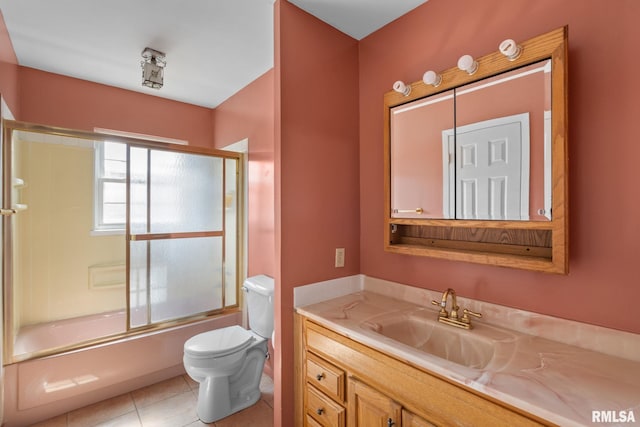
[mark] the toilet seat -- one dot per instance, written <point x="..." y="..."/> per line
<point x="219" y="342"/>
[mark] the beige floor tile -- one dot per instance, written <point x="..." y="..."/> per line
<point x="258" y="415"/>
<point x="102" y="411"/>
<point x="60" y="421"/>
<point x="175" y="411"/>
<point x="192" y="383"/>
<point x="170" y="403"/>
<point x="201" y="424"/>
<point x="160" y="391"/>
<point x="127" y="420"/>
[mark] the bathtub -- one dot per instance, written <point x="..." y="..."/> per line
<point x="39" y="389"/>
<point x="62" y="333"/>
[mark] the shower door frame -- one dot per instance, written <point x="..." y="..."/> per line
<point x="10" y="126"/>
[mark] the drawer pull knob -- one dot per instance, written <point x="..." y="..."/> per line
<point x="390" y="423"/>
<point x="319" y="377"/>
<point x="319" y="411"/>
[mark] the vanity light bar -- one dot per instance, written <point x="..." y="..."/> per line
<point x="467" y="63"/>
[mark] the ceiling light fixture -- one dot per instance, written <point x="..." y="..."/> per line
<point x="153" y="68"/>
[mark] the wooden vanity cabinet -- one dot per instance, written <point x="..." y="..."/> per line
<point x="370" y="408"/>
<point x="324" y="393"/>
<point x="340" y="382"/>
<point x="412" y="420"/>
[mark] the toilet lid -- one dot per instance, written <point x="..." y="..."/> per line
<point x="219" y="342"/>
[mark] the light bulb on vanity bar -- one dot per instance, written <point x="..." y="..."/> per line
<point x="468" y="64"/>
<point x="432" y="78"/>
<point x="402" y="88"/>
<point x="510" y="49"/>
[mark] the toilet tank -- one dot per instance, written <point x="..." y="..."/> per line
<point x="259" y="295"/>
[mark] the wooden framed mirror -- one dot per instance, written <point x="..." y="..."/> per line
<point x="476" y="168"/>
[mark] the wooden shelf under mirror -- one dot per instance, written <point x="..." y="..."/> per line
<point x="433" y="203"/>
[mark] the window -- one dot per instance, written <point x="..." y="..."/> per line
<point x="110" y="186"/>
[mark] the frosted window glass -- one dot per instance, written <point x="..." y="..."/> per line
<point x="138" y="189"/>
<point x="138" y="280"/>
<point x="186" y="277"/>
<point x="231" y="231"/>
<point x="186" y="192"/>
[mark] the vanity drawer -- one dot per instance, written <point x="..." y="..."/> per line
<point x="310" y="422"/>
<point x="326" y="377"/>
<point x="322" y="409"/>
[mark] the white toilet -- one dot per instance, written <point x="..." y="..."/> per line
<point x="228" y="362"/>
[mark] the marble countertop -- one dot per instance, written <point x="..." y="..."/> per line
<point x="558" y="382"/>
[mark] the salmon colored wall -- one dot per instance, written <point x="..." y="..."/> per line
<point x="57" y="100"/>
<point x="250" y="114"/>
<point x="603" y="286"/>
<point x="8" y="69"/>
<point x="317" y="203"/>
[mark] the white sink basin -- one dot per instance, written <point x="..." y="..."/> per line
<point x="421" y="330"/>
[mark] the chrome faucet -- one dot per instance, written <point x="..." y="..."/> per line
<point x="452" y="318"/>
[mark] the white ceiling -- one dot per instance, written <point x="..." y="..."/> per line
<point x="357" y="18"/>
<point x="213" y="48"/>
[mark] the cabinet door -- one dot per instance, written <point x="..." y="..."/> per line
<point x="412" y="420"/>
<point x="370" y="408"/>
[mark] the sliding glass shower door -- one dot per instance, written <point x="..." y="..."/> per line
<point x="177" y="210"/>
<point x="106" y="236"/>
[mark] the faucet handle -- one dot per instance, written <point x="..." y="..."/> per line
<point x="467" y="312"/>
<point x="442" y="305"/>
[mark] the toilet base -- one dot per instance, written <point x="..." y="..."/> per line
<point x="219" y="397"/>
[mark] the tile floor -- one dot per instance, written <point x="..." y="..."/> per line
<point x="171" y="403"/>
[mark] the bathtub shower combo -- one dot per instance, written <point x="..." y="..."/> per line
<point x="109" y="239"/>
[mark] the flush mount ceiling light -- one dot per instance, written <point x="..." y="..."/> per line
<point x="153" y="68"/>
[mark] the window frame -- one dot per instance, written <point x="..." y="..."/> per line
<point x="99" y="179"/>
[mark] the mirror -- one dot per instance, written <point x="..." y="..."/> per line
<point x="478" y="151"/>
<point x="476" y="167"/>
<point x="417" y="187"/>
